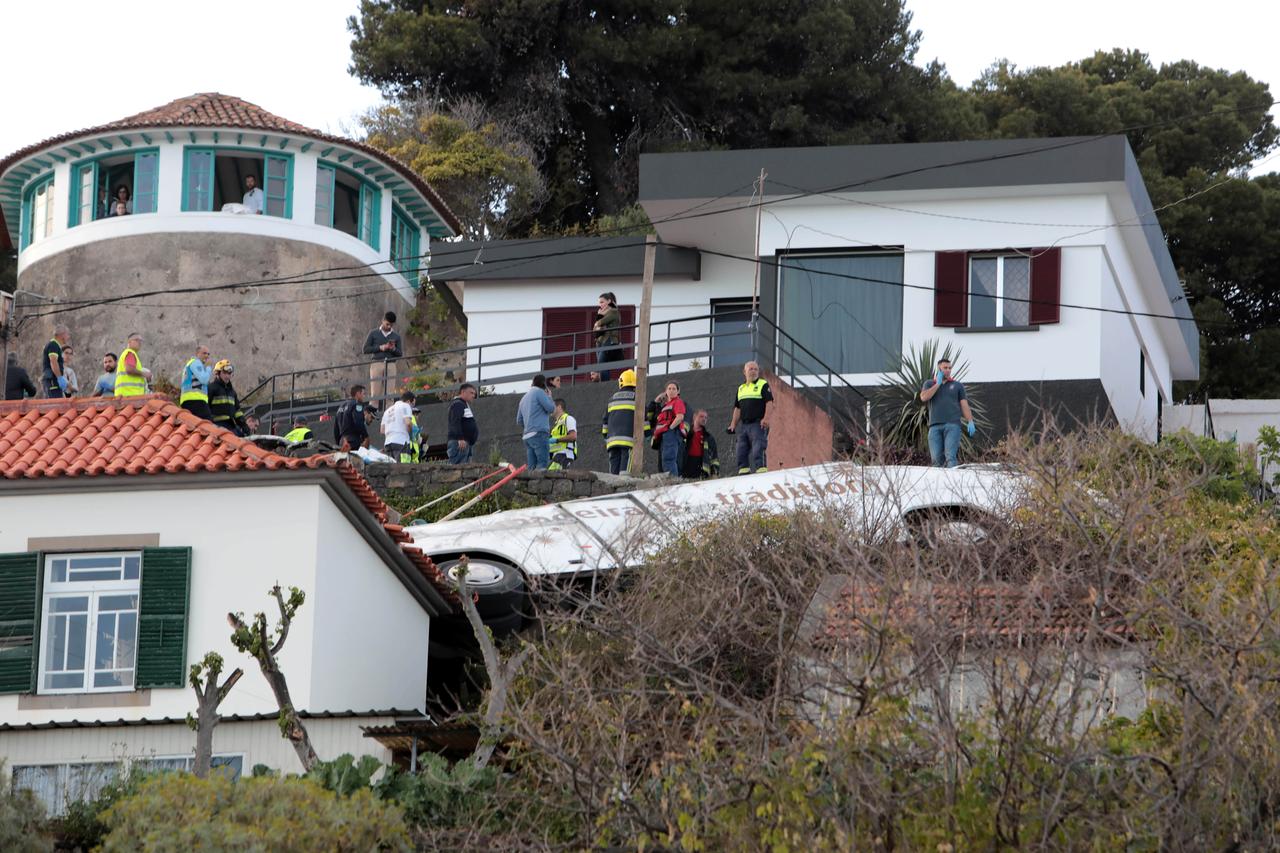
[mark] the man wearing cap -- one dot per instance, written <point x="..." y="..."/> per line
<point x="300" y="431"/>
<point x="195" y="384"/>
<point x="224" y="403"/>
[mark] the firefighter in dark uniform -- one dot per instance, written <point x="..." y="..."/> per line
<point x="223" y="401"/>
<point x="750" y="410"/>
<point x="619" y="423"/>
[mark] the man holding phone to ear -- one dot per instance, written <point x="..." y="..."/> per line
<point x="948" y="405"/>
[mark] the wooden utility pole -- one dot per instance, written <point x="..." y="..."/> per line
<point x="642" y="357"/>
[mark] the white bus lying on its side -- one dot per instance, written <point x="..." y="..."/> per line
<point x="508" y="550"/>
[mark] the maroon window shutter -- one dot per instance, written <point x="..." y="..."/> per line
<point x="951" y="288"/>
<point x="1046" y="285"/>
<point x="565" y="330"/>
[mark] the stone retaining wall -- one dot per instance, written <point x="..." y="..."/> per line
<point x="431" y="477"/>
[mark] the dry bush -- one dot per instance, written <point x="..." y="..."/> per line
<point x="1103" y="670"/>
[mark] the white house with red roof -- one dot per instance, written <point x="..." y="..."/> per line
<point x="334" y="209"/>
<point x="128" y="531"/>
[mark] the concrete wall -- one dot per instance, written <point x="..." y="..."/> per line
<point x="263" y="330"/>
<point x="800" y="433"/>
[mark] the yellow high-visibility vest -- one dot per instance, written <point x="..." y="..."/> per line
<point x="752" y="390"/>
<point x="127" y="384"/>
<point x="196" y="391"/>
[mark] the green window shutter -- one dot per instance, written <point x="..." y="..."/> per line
<point x="162" y="618"/>
<point x="19" y="621"/>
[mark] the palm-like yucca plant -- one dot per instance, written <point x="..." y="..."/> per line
<point x="908" y="424"/>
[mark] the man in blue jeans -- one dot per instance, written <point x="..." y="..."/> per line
<point x="534" y="418"/>
<point x="947" y="406"/>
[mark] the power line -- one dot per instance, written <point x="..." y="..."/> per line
<point x="693" y="212"/>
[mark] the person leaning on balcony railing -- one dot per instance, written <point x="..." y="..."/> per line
<point x="384" y="345"/>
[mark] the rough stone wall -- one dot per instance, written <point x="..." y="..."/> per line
<point x="431" y="477"/>
<point x="264" y="329"/>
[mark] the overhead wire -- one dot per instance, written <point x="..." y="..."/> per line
<point x="695" y="211"/>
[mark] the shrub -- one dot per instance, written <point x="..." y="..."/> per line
<point x="178" y="812"/>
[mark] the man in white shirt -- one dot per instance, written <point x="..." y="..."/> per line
<point x="397" y="422"/>
<point x="253" y="198"/>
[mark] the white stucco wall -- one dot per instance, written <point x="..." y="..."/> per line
<point x="243" y="541"/>
<point x="369" y="636"/>
<point x="1097" y="270"/>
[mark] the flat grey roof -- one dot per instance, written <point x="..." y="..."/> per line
<point x="559" y="257"/>
<point x="905" y="166"/>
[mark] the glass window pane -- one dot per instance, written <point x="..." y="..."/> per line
<point x="77" y="641"/>
<point x="146" y="180"/>
<point x="731" y="337"/>
<point x="126" y="640"/>
<point x="104" y="650"/>
<point x="132" y="567"/>
<point x="65" y="681"/>
<point x="43" y="781"/>
<point x="275" y="206"/>
<point x="1017" y="289"/>
<point x="69" y="604"/>
<point x="982" y="293"/>
<point x="277" y="167"/>
<point x="86" y="781"/>
<point x="846" y="310"/>
<point x="59" y="571"/>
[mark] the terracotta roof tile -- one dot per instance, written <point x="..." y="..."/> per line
<point x="137" y="436"/>
<point x="992" y="613"/>
<point x="216" y="110"/>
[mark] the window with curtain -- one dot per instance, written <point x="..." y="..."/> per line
<point x="845" y="309"/>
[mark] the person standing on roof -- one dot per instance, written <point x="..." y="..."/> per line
<point x="131" y="376"/>
<point x="384" y="345"/>
<point x="749" y="421"/>
<point x="460" y="441"/>
<point x="300" y="431"/>
<point x="53" y="364"/>
<point x="196" y="375"/>
<point x="106" y="384"/>
<point x="224" y="403"/>
<point x="670" y="430"/>
<point x="564" y="437"/>
<point x="947" y="405"/>
<point x="534" y="418"/>
<point x="618" y="425"/>
<point x="17" y="382"/>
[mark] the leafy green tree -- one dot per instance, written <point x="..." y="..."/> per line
<point x="21" y="817"/>
<point x="472" y="158"/>
<point x="590" y="85"/>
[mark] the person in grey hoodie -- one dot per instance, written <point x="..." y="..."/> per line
<point x="534" y="418"/>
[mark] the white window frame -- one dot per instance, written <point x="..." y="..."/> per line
<point x="999" y="258"/>
<point x="60" y="797"/>
<point x="93" y="590"/>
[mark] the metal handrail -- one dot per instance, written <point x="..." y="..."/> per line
<point x="813" y="377"/>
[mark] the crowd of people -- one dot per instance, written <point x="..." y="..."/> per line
<point x="679" y="433"/>
<point x="206" y="387"/>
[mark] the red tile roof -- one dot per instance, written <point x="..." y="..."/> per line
<point x="975" y="613"/>
<point x="148" y="435"/>
<point x="215" y="110"/>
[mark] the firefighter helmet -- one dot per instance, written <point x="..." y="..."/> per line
<point x="627" y="379"/>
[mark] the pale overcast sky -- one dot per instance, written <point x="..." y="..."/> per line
<point x="76" y="63"/>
